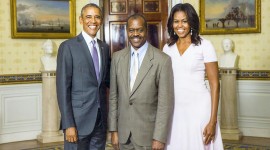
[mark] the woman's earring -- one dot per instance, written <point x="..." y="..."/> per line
<point x="190" y="31"/>
<point x="174" y="33"/>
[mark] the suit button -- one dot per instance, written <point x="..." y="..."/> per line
<point x="130" y="103"/>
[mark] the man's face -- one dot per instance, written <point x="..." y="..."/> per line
<point x="136" y="32"/>
<point x="91" y="21"/>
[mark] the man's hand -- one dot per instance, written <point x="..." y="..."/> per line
<point x="115" y="141"/>
<point x="156" y="145"/>
<point x="71" y="135"/>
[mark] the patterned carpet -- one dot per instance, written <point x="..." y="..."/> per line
<point x="61" y="147"/>
<point x="230" y="146"/>
<point x="227" y="146"/>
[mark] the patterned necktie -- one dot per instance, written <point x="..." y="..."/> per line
<point x="95" y="58"/>
<point x="135" y="69"/>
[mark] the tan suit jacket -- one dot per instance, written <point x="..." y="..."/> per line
<point x="146" y="111"/>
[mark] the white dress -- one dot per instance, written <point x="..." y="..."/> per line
<point x="192" y="108"/>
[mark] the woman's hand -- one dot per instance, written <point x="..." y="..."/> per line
<point x="209" y="133"/>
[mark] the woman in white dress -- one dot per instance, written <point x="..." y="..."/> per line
<point x="194" y="122"/>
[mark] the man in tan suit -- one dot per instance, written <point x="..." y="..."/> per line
<point x="141" y="92"/>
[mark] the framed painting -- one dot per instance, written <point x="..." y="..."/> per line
<point x="230" y="16"/>
<point x="54" y="19"/>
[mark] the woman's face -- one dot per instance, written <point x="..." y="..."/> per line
<point x="180" y="24"/>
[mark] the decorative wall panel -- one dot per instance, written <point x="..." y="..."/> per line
<point x="20" y="112"/>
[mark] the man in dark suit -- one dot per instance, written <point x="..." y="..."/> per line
<point x="141" y="92"/>
<point x="83" y="65"/>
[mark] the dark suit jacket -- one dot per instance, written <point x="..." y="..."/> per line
<point x="78" y="90"/>
<point x="146" y="110"/>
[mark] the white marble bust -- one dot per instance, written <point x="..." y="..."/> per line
<point x="228" y="59"/>
<point x="48" y="60"/>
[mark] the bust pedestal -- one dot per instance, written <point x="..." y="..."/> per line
<point x="50" y="111"/>
<point x="229" y="114"/>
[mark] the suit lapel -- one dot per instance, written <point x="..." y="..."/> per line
<point x="125" y="64"/>
<point x="87" y="53"/>
<point x="145" y="67"/>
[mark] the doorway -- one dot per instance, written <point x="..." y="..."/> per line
<point x="116" y="13"/>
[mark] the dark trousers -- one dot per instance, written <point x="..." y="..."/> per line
<point x="94" y="141"/>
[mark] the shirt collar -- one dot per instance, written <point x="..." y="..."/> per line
<point x="141" y="49"/>
<point x="88" y="38"/>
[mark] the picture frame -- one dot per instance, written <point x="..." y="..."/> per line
<point x="43" y="19"/>
<point x="151" y="6"/>
<point x="118" y="7"/>
<point x="230" y="16"/>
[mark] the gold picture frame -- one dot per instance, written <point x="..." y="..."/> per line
<point x="230" y="16"/>
<point x="43" y="19"/>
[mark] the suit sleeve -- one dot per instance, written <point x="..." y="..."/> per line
<point x="63" y="85"/>
<point x="165" y="102"/>
<point x="113" y="103"/>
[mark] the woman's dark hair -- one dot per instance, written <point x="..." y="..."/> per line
<point x="193" y="21"/>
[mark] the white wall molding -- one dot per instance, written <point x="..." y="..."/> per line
<point x="20" y="136"/>
<point x="20" y="112"/>
<point x="253" y="107"/>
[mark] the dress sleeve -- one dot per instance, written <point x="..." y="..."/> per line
<point x="209" y="52"/>
<point x="165" y="48"/>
